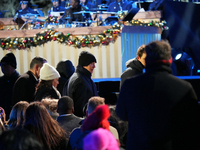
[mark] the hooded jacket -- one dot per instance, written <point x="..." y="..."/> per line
<point x="134" y="67"/>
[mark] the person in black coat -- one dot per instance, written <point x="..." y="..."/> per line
<point x="25" y="86"/>
<point x="134" y="66"/>
<point x="8" y="66"/>
<point x="161" y="109"/>
<point x="81" y="87"/>
<point x="67" y="120"/>
<point x="65" y="69"/>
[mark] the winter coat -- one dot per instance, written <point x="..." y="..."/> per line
<point x="134" y="67"/>
<point x="81" y="88"/>
<point x="24" y="88"/>
<point x="162" y="111"/>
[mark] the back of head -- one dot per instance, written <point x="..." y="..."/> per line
<point x="65" y="105"/>
<point x="48" y="72"/>
<point x="86" y="58"/>
<point x="37" y="61"/>
<point x="65" y="68"/>
<point x="158" y="52"/>
<point x="94" y="102"/>
<point x="36" y="115"/>
<point x="19" y="139"/>
<point x="10" y="60"/>
<point x="141" y="50"/>
<point x="100" y="139"/>
<point x="17" y="114"/>
<point x="43" y="126"/>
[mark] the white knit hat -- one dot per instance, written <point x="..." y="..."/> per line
<point x="48" y="72"/>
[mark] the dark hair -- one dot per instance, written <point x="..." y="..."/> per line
<point x="37" y="61"/>
<point x="158" y="50"/>
<point x="44" y="83"/>
<point x="43" y="126"/>
<point x="65" y="105"/>
<point x="19" y="139"/>
<point x="141" y="50"/>
<point x="17" y="114"/>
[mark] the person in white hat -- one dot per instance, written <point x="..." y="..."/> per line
<point x="46" y="88"/>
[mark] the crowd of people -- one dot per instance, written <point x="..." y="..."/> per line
<point x="59" y="108"/>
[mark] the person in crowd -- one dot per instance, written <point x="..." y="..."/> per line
<point x="65" y="69"/>
<point x="81" y="87"/>
<point x="119" y="5"/>
<point x="51" y="106"/>
<point x="67" y="120"/>
<point x="162" y="110"/>
<point x="17" y="115"/>
<point x="97" y="119"/>
<point x="75" y="7"/>
<point x="46" y="88"/>
<point x="44" y="127"/>
<point x="25" y="9"/>
<point x="134" y="66"/>
<point x="76" y="136"/>
<point x="8" y="66"/>
<point x="100" y="139"/>
<point x="19" y="139"/>
<point x="56" y="7"/>
<point x="25" y="86"/>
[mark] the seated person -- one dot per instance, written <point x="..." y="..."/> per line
<point x="88" y="4"/>
<point x="119" y="5"/>
<point x="25" y="9"/>
<point x="56" y="7"/>
<point x="75" y="6"/>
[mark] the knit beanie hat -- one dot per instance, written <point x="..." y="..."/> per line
<point x="100" y="139"/>
<point x="48" y="72"/>
<point x="10" y="59"/>
<point x="97" y="119"/>
<point x="86" y="58"/>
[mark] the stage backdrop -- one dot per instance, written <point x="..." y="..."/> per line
<point x="109" y="61"/>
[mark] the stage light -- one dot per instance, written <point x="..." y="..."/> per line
<point x="184" y="64"/>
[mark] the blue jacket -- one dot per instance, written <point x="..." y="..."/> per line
<point x="114" y="7"/>
<point x="57" y="9"/>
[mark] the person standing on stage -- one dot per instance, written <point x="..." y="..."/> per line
<point x="119" y="5"/>
<point x="25" y="86"/>
<point x="81" y="87"/>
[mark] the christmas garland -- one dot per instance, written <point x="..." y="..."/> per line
<point x="104" y="38"/>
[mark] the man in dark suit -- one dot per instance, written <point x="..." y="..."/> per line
<point x="24" y="88"/>
<point x="67" y="120"/>
<point x="162" y="110"/>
